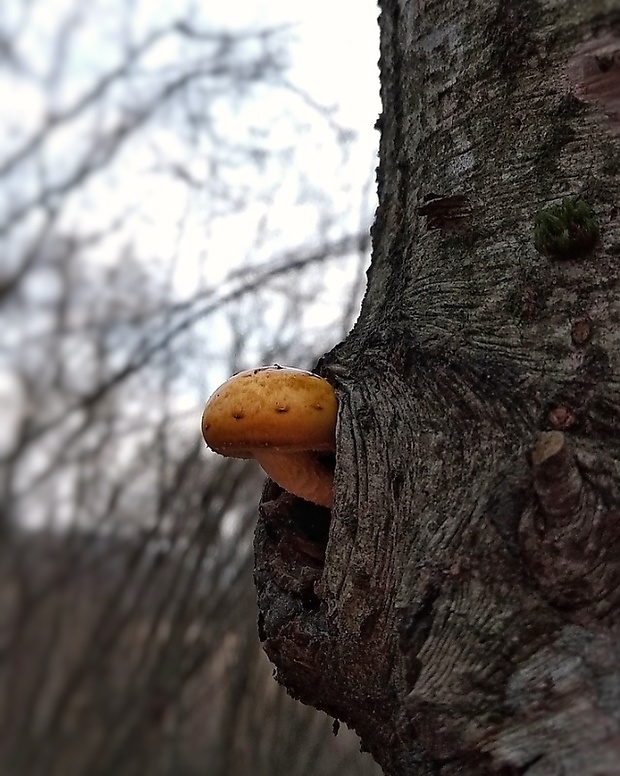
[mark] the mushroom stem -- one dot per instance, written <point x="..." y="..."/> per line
<point x="302" y="474"/>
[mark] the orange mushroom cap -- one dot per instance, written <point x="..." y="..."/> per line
<point x="283" y="417"/>
<point x="275" y="407"/>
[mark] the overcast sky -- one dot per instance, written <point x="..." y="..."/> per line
<point x="333" y="59"/>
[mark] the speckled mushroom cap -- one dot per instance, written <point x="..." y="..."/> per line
<point x="276" y="408"/>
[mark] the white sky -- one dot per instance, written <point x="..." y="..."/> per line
<point x="334" y="61"/>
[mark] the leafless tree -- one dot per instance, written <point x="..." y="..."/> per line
<point x="127" y="614"/>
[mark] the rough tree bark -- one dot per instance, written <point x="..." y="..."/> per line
<point x="459" y="607"/>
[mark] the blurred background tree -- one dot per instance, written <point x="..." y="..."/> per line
<point x="175" y="204"/>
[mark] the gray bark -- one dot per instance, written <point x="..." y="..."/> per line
<point x="459" y="605"/>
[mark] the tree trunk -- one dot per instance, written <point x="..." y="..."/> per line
<point x="459" y="605"/>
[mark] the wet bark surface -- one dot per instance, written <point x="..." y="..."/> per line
<point x="459" y="605"/>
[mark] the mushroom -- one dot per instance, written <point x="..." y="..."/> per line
<point x="285" y="418"/>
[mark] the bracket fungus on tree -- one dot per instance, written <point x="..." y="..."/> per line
<point x="285" y="418"/>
